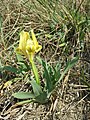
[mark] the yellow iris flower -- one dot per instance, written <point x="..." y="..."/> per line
<point x="27" y="46"/>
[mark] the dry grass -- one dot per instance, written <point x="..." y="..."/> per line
<point x="72" y="98"/>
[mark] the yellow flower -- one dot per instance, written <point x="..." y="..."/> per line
<point x="27" y="46"/>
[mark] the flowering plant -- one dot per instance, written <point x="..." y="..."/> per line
<point x="28" y="47"/>
<point x="52" y="75"/>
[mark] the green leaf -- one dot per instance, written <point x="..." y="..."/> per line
<point x="39" y="59"/>
<point x="51" y="74"/>
<point x="1" y="68"/>
<point x="24" y="102"/>
<point x="42" y="98"/>
<point x="23" y="95"/>
<point x="47" y="76"/>
<point x="57" y="72"/>
<point x="24" y="67"/>
<point x="19" y="57"/>
<point x="69" y="65"/>
<point x="11" y="69"/>
<point x="36" y="88"/>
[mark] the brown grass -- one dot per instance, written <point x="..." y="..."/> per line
<point x="72" y="98"/>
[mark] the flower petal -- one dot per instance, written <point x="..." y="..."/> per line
<point x="28" y="46"/>
<point x="30" y="49"/>
<point x="24" y="36"/>
<point x="34" y="38"/>
<point x="39" y="47"/>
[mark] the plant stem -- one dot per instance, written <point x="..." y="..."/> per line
<point x="35" y="71"/>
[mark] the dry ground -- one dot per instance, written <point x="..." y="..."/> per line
<point x="72" y="98"/>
